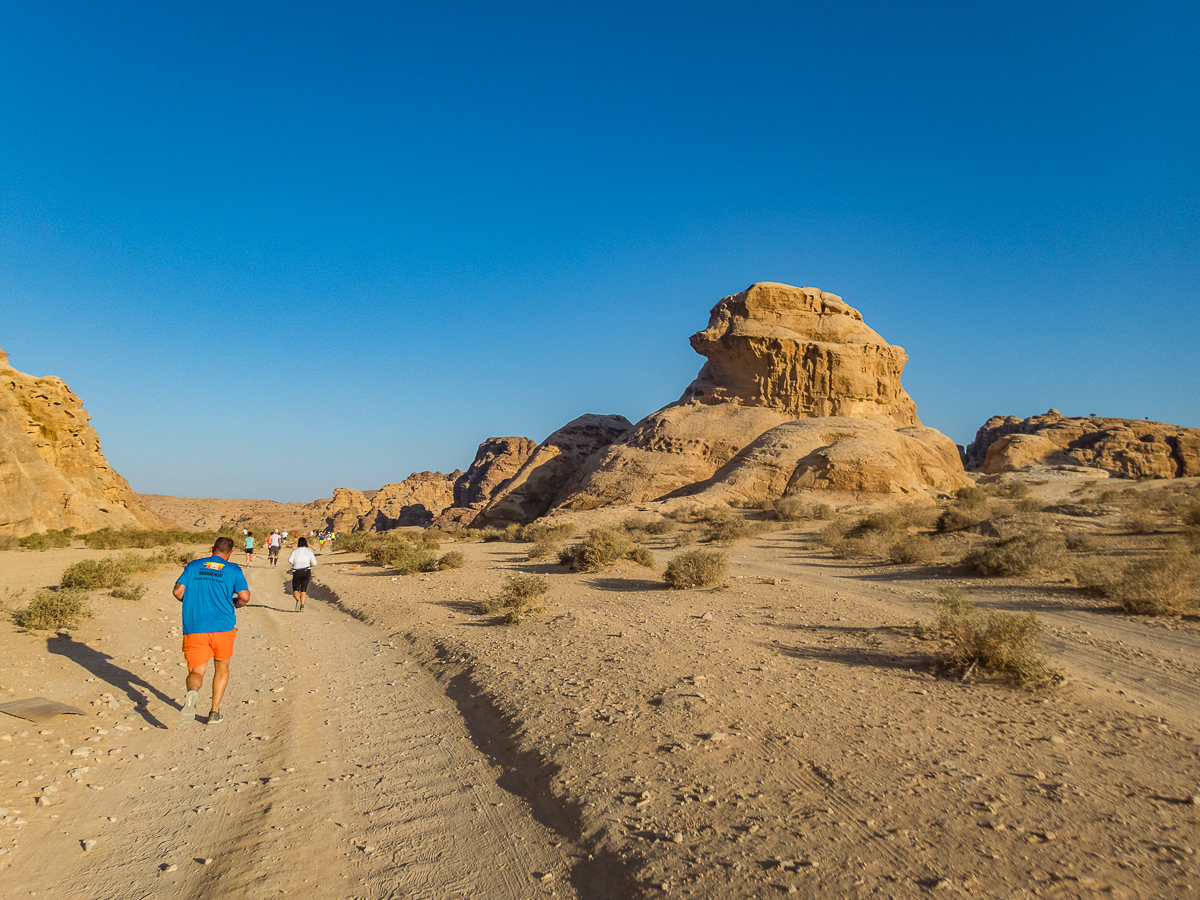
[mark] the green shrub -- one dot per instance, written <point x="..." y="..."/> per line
<point x="601" y="547"/>
<point x="354" y="541"/>
<point x="452" y="560"/>
<point x="90" y="574"/>
<point x="517" y="598"/>
<point x="1023" y="554"/>
<point x="955" y="519"/>
<point x="913" y="549"/>
<point x="408" y="560"/>
<point x="47" y="540"/>
<point x="642" y="557"/>
<point x="50" y="610"/>
<point x="131" y="591"/>
<point x="695" y="569"/>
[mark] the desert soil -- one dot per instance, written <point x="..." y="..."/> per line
<point x="390" y="742"/>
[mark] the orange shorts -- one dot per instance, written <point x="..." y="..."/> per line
<point x="199" y="648"/>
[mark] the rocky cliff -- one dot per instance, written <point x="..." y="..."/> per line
<point x="52" y="471"/>
<point x="1130" y="447"/>
<point x="777" y="354"/>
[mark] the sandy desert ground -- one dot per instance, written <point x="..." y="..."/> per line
<point x="390" y="742"/>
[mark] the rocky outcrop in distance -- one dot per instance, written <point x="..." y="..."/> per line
<point x="1131" y="448"/>
<point x="496" y="461"/>
<point x="53" y="474"/>
<point x="777" y="354"/>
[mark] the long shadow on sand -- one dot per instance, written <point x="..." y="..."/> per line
<point x="101" y="665"/>
<point x="876" y="647"/>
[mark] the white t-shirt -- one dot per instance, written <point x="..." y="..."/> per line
<point x="302" y="558"/>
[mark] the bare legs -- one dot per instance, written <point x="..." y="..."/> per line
<point x="300" y="596"/>
<point x="195" y="678"/>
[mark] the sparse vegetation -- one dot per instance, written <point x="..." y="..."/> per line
<point x="132" y="591"/>
<point x="970" y="498"/>
<point x="518" y="598"/>
<point x="1167" y="584"/>
<point x="47" y="540"/>
<point x="955" y="519"/>
<point x="50" y="610"/>
<point x="90" y="574"/>
<point x="642" y="557"/>
<point x="601" y="547"/>
<point x="696" y="569"/>
<point x="998" y="642"/>
<point x="913" y="549"/>
<point x="726" y="531"/>
<point x="452" y="560"/>
<point x="1033" y="552"/>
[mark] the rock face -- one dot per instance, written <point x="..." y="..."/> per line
<point x="540" y="482"/>
<point x="776" y="354"/>
<point x="1128" y="447"/>
<point x="52" y="471"/>
<point x="496" y="461"/>
<point x="855" y="456"/>
<point x="345" y="511"/>
<point x="414" y="501"/>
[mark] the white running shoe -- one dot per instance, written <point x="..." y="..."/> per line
<point x="188" y="713"/>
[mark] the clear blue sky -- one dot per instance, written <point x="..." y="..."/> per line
<point x="279" y="248"/>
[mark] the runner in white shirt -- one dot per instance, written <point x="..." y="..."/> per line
<point x="301" y="560"/>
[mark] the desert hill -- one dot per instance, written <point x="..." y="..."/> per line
<point x="53" y="473"/>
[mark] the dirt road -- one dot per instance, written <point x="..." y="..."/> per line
<point x="340" y="771"/>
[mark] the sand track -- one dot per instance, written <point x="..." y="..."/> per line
<point x="342" y="771"/>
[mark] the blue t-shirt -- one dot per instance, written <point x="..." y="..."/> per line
<point x="208" y="589"/>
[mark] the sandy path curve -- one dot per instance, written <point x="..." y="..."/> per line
<point x="342" y="770"/>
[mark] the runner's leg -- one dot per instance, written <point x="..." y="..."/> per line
<point x="220" y="680"/>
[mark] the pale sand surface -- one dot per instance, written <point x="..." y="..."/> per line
<point x="793" y="744"/>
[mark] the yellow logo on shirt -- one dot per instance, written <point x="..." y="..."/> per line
<point x="214" y="566"/>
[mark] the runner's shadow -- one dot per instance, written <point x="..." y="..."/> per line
<point x="99" y="664"/>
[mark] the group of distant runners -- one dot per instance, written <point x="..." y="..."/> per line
<point x="211" y="591"/>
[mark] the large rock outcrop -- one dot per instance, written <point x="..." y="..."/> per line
<point x="416" y="500"/>
<point x="496" y="461"/>
<point x="774" y="354"/>
<point x="1130" y="447"/>
<point x="52" y="471"/>
<point x="540" y="482"/>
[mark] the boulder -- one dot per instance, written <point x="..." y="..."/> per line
<point x="541" y="481"/>
<point x="1133" y="448"/>
<point x="53" y="473"/>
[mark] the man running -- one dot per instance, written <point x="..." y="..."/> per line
<point x="210" y="590"/>
<point x="274" y="542"/>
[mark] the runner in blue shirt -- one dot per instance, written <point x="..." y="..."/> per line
<point x="210" y="590"/>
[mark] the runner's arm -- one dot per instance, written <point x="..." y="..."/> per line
<point x="241" y="598"/>
<point x="178" y="592"/>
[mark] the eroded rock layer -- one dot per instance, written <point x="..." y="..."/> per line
<point x="52" y="471"/>
<point x="1130" y="447"/>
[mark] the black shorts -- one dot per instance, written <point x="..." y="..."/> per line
<point x="272" y="551"/>
<point x="300" y="579"/>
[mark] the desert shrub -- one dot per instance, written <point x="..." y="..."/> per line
<point x="452" y="560"/>
<point x="684" y="538"/>
<point x="1109" y="496"/>
<point x="1013" y="490"/>
<point x="134" y="562"/>
<point x="696" y="568"/>
<point x="408" y="560"/>
<point x="47" y="540"/>
<point x="642" y="557"/>
<point x="171" y="557"/>
<point x="833" y="533"/>
<point x="824" y="511"/>
<point x="861" y="546"/>
<point x="1164" y="585"/>
<point x="148" y="538"/>
<point x="543" y="548"/>
<point x="491" y="535"/>
<point x="543" y="532"/>
<point x="1140" y="523"/>
<point x="465" y="535"/>
<point x="131" y="591"/>
<point x="601" y="547"/>
<point x="514" y="532"/>
<point x="51" y="609"/>
<point x="888" y="520"/>
<point x="566" y="555"/>
<point x="355" y="541"/>
<point x="999" y="642"/>
<point x="789" y="509"/>
<point x="1029" y="505"/>
<point x="1191" y="538"/>
<point x="9" y="542"/>
<point x="726" y="531"/>
<point x="1081" y="543"/>
<point x="518" y="598"/>
<point x="955" y="519"/>
<point x="90" y="574"/>
<point x="1098" y="575"/>
<point x="970" y="498"/>
<point x="913" y="549"/>
<point x="1021" y="554"/>
<point x="1191" y="514"/>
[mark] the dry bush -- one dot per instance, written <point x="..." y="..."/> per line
<point x="544" y="547"/>
<point x="47" y="540"/>
<point x="492" y="534"/>
<point x="540" y="531"/>
<point x="1191" y="514"/>
<point x="1080" y="542"/>
<point x="955" y="519"/>
<point x="888" y="520"/>
<point x="355" y="541"/>
<point x="642" y="557"/>
<point x="726" y="531"/>
<point x="90" y="574"/>
<point x="1140" y="523"/>
<point x="913" y="549"/>
<point x="131" y="591"/>
<point x="147" y="538"/>
<point x="639" y="527"/>
<point x="1029" y="505"/>
<point x="824" y="511"/>
<point x="50" y="610"/>
<point x="696" y="569"/>
<point x="601" y="547"/>
<point x="171" y="557"/>
<point x="452" y="560"/>
<point x="518" y="598"/>
<point x="1013" y="490"/>
<point x="1098" y="575"/>
<point x="970" y="498"/>
<point x="1164" y="585"/>
<point x="8" y="542"/>
<point x="684" y="538"/>
<point x="833" y="533"/>
<point x="871" y="545"/>
<point x="1191" y="537"/>
<point x="789" y="509"/>
<point x="1022" y="554"/>
<point x="999" y="642"/>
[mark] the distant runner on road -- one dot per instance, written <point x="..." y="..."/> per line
<point x="274" y="542"/>
<point x="211" y="590"/>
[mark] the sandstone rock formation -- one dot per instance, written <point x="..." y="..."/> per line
<point x="540" y="482"/>
<point x="775" y="354"/>
<point x="345" y="511"/>
<point x="214" y="513"/>
<point x="414" y="501"/>
<point x="853" y="456"/>
<point x="496" y="461"/>
<point x="1128" y="447"/>
<point x="52" y="471"/>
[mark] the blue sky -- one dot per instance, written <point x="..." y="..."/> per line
<point x="279" y="248"/>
